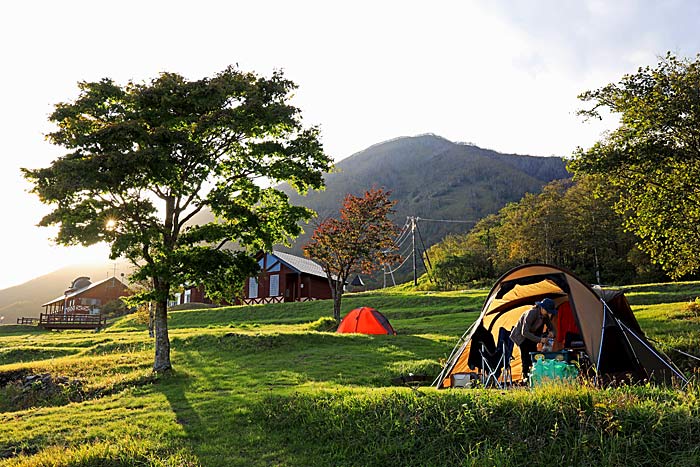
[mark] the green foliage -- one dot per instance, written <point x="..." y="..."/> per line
<point x="551" y="426"/>
<point x="459" y="270"/>
<point x="464" y="182"/>
<point x="130" y="452"/>
<point x="652" y="158"/>
<point x="361" y="239"/>
<point x="115" y="308"/>
<point x="324" y="324"/>
<point x="570" y="224"/>
<point x="142" y="160"/>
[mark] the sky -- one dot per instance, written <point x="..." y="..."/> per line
<point x="503" y="75"/>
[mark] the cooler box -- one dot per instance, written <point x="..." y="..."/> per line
<point x="544" y="370"/>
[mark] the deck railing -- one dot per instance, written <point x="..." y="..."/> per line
<point x="262" y="300"/>
<point x="72" y="321"/>
<point x="23" y="320"/>
<point x="266" y="300"/>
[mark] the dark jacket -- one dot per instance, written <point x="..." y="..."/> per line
<point x="528" y="324"/>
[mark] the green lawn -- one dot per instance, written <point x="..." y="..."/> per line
<point x="259" y="386"/>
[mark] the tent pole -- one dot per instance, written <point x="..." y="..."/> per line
<point x="670" y="367"/>
<point x="602" y="336"/>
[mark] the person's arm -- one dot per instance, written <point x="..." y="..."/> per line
<point x="528" y="324"/>
<point x="551" y="328"/>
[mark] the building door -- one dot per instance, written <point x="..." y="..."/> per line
<point x="291" y="288"/>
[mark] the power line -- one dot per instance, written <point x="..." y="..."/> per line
<point x="409" y="230"/>
<point x="414" y="228"/>
<point x="400" y="244"/>
<point x="402" y="235"/>
<point x="450" y="221"/>
<point x="393" y="270"/>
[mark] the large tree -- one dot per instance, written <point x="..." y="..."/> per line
<point x="144" y="159"/>
<point x="360" y="240"/>
<point x="653" y="158"/>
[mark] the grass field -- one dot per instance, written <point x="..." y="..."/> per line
<point x="262" y="386"/>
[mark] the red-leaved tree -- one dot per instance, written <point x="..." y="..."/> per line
<point x="361" y="240"/>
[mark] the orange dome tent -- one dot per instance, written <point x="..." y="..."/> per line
<point x="365" y="320"/>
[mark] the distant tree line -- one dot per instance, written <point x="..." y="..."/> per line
<point x="570" y="224"/>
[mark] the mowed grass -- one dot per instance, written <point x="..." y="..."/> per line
<point x="259" y="386"/>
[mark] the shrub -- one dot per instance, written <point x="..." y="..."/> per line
<point x="455" y="271"/>
<point x="324" y="324"/>
<point x="115" y="308"/>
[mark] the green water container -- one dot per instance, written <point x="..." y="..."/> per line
<point x="551" y="370"/>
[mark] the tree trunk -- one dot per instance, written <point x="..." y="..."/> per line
<point x="337" y="297"/>
<point x="151" y="316"/>
<point x="162" y="359"/>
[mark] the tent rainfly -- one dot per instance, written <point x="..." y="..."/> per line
<point x="600" y="322"/>
<point x="365" y="320"/>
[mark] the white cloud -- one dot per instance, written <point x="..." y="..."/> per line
<point x="502" y="74"/>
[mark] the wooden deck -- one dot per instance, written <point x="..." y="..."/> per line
<point x="72" y="321"/>
<point x="23" y="320"/>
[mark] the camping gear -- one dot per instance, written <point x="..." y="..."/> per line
<point x="465" y="380"/>
<point x="365" y="320"/>
<point x="604" y="329"/>
<point x="496" y="364"/>
<point x="544" y="370"/>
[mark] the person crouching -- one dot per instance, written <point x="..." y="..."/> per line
<point x="529" y="330"/>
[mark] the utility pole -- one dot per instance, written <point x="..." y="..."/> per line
<point x="413" y="240"/>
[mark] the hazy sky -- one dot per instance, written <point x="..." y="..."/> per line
<point x="501" y="74"/>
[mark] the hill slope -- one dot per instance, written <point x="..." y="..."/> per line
<point x="260" y="386"/>
<point x="433" y="178"/>
<point x="429" y="176"/>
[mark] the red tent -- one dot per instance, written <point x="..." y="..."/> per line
<point x="365" y="320"/>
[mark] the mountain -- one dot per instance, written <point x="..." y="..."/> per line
<point x="429" y="176"/>
<point x="26" y="299"/>
<point x="433" y="178"/>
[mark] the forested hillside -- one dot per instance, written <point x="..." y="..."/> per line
<point x="429" y="176"/>
<point x="569" y="223"/>
<point x="433" y="178"/>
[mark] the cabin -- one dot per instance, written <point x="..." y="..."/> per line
<point x="283" y="278"/>
<point x="80" y="305"/>
<point x="286" y="278"/>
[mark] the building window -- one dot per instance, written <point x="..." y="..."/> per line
<point x="272" y="264"/>
<point x="274" y="285"/>
<point x="253" y="288"/>
<point x="188" y="296"/>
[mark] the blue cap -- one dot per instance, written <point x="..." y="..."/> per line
<point x="548" y="305"/>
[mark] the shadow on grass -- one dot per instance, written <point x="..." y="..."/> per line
<point x="273" y="360"/>
<point x="212" y="405"/>
<point x="174" y="387"/>
<point x="221" y="379"/>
